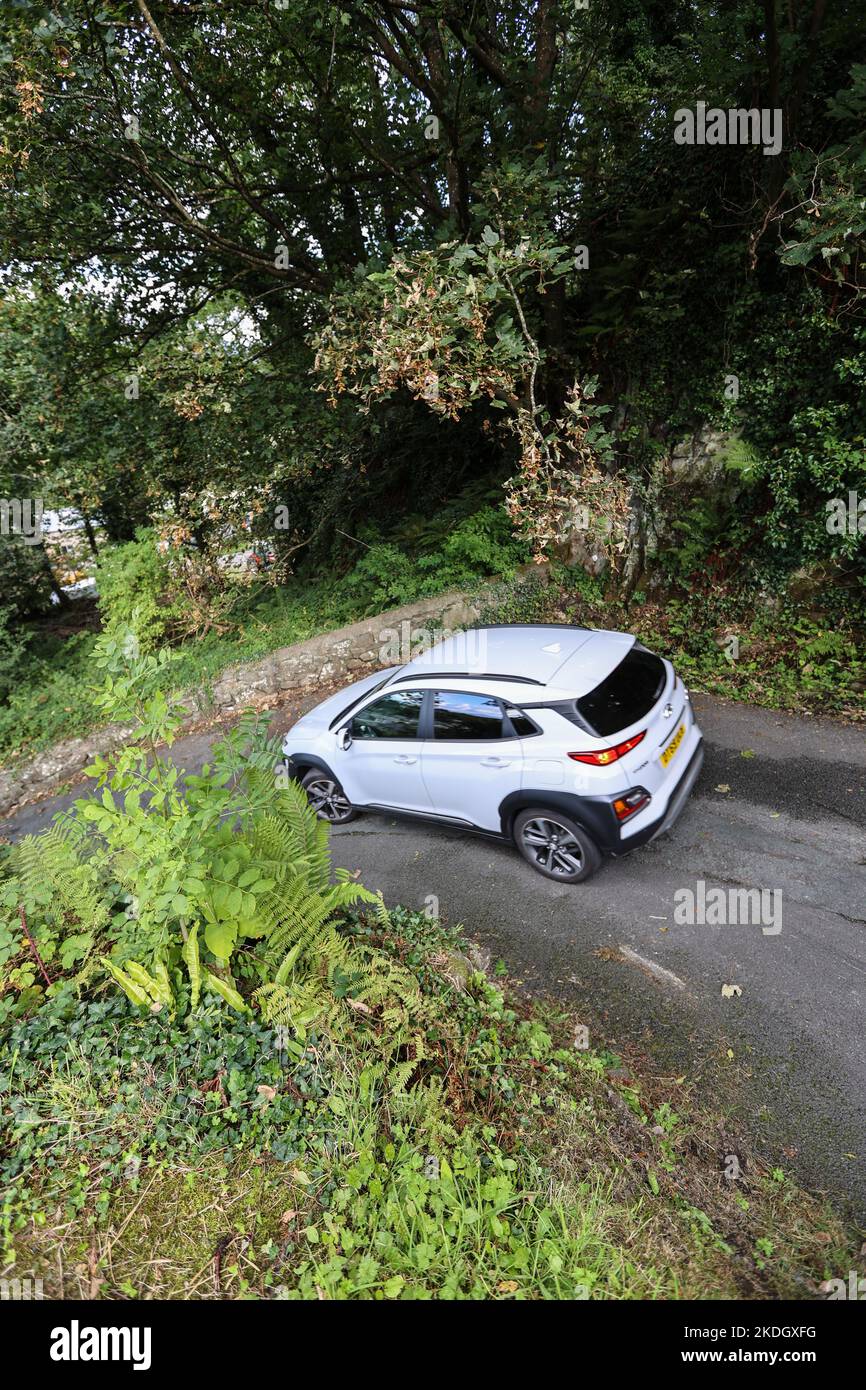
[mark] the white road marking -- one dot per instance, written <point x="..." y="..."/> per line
<point x="658" y="970"/>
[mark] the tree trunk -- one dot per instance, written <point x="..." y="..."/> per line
<point x="56" y="590"/>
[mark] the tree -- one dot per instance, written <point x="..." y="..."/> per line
<point x="273" y="159"/>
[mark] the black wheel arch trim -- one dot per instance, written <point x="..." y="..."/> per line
<point x="594" y="814"/>
<point x="306" y="762"/>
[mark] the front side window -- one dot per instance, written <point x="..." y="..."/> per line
<point x="456" y="715"/>
<point x="348" y="710"/>
<point x="394" y="716"/>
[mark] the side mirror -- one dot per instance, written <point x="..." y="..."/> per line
<point x="344" y="738"/>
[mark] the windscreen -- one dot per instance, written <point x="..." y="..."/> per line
<point x="626" y="695"/>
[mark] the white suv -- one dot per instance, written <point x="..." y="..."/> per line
<point x="571" y="743"/>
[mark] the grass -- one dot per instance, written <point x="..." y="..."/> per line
<point x="53" y="696"/>
<point x="145" y="1158"/>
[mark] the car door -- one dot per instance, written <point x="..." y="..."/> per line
<point x="472" y="759"/>
<point x="382" y="765"/>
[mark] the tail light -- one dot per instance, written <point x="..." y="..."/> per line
<point x="631" y="803"/>
<point x="602" y="756"/>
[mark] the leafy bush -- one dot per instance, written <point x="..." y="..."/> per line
<point x="804" y="385"/>
<point x="503" y="1171"/>
<point x="166" y="887"/>
<point x="456" y="555"/>
<point x="134" y="585"/>
<point x="13" y="645"/>
<point x="386" y="1199"/>
<point x="23" y="577"/>
<point x="788" y="657"/>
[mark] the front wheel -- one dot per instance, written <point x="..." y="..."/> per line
<point x="327" y="798"/>
<point x="555" y="846"/>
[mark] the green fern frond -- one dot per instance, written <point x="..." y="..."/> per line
<point x="54" y="859"/>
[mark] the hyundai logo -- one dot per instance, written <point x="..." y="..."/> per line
<point x="668" y="711"/>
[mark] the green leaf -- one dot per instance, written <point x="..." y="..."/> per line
<point x="221" y="938"/>
<point x="192" y="961"/>
<point x="225" y="992"/>
<point x="157" y="987"/>
<point x="235" y="903"/>
<point x="127" y="984"/>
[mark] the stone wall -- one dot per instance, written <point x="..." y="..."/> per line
<point x="343" y="654"/>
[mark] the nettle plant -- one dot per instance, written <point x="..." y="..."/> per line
<point x="175" y="886"/>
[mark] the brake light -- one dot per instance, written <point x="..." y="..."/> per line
<point x="603" y="756"/>
<point x="631" y="803"/>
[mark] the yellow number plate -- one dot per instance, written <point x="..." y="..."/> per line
<point x="673" y="745"/>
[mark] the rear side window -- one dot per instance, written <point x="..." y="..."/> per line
<point x="456" y="715"/>
<point x="626" y="695"/>
<point x="394" y="716"/>
<point x="521" y="723"/>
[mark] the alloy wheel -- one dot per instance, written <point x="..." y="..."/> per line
<point x="552" y="846"/>
<point x="327" y="799"/>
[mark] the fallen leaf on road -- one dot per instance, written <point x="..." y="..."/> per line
<point x="728" y="991"/>
<point x="730" y="1055"/>
<point x="747" y="753"/>
<point x="723" y="787"/>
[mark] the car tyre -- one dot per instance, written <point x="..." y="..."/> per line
<point x="327" y="798"/>
<point x="555" y="845"/>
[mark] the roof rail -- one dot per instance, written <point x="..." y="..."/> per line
<point x="571" y="627"/>
<point x="463" y="675"/>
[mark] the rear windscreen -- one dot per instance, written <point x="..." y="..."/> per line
<point x="626" y="695"/>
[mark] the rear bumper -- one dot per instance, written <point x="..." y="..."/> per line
<point x="678" y="798"/>
<point x="596" y="814"/>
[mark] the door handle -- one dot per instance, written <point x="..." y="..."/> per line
<point x="403" y="760"/>
<point x="495" y="762"/>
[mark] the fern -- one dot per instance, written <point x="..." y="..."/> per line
<point x="235" y="856"/>
<point x="344" y="986"/>
<point x="290" y="838"/>
<point x="58" y="882"/>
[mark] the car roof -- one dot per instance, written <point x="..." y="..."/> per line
<point x="536" y="661"/>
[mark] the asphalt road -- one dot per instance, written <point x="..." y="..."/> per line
<point x="793" y="821"/>
<point x="784" y="1058"/>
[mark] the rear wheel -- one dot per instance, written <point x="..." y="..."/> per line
<point x="327" y="798"/>
<point x="555" y="846"/>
